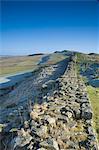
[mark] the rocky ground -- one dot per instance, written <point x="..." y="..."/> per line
<point x="30" y="89"/>
<point x="61" y="120"/>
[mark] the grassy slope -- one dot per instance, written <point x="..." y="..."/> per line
<point x="56" y="57"/>
<point x="94" y="98"/>
<point x="92" y="92"/>
<point x="17" y="64"/>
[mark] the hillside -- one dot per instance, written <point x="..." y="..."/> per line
<point x="17" y="64"/>
<point x="88" y="67"/>
<point x="55" y="106"/>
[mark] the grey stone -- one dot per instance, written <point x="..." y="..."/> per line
<point x="21" y="141"/>
<point x="66" y="111"/>
<point x="69" y="114"/>
<point x="90" y="130"/>
<point x="77" y="114"/>
<point x="62" y="118"/>
<point x="50" y="144"/>
<point x="42" y="131"/>
<point x="85" y="105"/>
<point x="86" y="114"/>
<point x="88" y="122"/>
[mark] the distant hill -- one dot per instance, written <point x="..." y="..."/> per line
<point x="36" y="54"/>
<point x="16" y="64"/>
<point x="92" y="54"/>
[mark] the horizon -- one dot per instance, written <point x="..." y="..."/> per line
<point x="48" y="26"/>
<point x="45" y="53"/>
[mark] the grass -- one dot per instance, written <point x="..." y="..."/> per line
<point x="87" y="58"/>
<point x="55" y="58"/>
<point x="17" y="64"/>
<point x="94" y="98"/>
<point x="92" y="91"/>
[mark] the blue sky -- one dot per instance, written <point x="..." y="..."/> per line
<point x="47" y="26"/>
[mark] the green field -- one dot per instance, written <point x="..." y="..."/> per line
<point x="94" y="99"/>
<point x="85" y="62"/>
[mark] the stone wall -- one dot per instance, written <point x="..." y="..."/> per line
<point x="63" y="121"/>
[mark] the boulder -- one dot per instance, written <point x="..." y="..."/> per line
<point x="22" y="139"/>
<point x="89" y="130"/>
<point x="34" y="115"/>
<point x="44" y="106"/>
<point x="66" y="111"/>
<point x="26" y="124"/>
<point x="50" y="144"/>
<point x="86" y="114"/>
<point x="50" y="120"/>
<point x="42" y="131"/>
<point x="62" y="118"/>
<point x="77" y="114"/>
<point x="33" y="124"/>
<point x="69" y="114"/>
<point x="88" y="122"/>
<point x="55" y="144"/>
<point x="85" y="105"/>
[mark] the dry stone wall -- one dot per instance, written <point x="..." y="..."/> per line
<point x="63" y="121"/>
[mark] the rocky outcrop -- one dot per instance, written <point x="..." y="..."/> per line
<point x="64" y="119"/>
